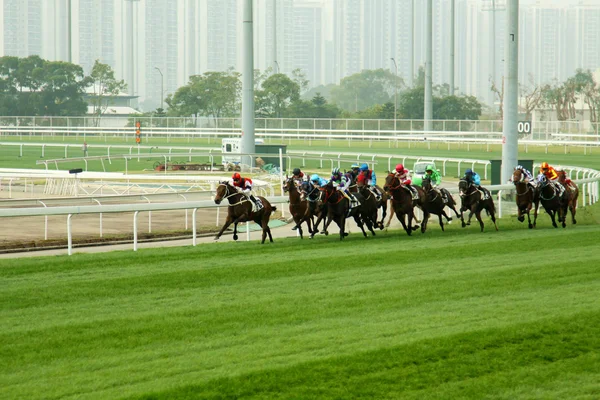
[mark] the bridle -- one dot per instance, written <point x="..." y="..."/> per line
<point x="228" y="195"/>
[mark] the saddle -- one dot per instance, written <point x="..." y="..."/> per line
<point x="375" y="192"/>
<point x="257" y="204"/>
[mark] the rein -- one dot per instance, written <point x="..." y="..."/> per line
<point x="227" y="196"/>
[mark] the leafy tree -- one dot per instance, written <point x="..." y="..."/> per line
<point x="410" y="105"/>
<point x="315" y="108"/>
<point x="299" y="77"/>
<point x="532" y="96"/>
<point x="278" y="91"/>
<point x="105" y="87"/>
<point x="213" y="94"/>
<point x="365" y="89"/>
<point x="500" y="93"/>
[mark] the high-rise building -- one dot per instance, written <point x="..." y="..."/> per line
<point x="22" y="27"/>
<point x="308" y="41"/>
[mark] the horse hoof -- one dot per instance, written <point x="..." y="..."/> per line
<point x="235" y="237"/>
<point x="530" y="226"/>
<point x="521" y="218"/>
<point x="574" y="222"/>
<point x="464" y="225"/>
<point x="216" y="238"/>
<point x="346" y="234"/>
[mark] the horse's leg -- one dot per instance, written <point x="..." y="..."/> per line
<point x="424" y="222"/>
<point x="478" y="216"/>
<point x="401" y="217"/>
<point x="316" y="225"/>
<point x="392" y="213"/>
<point x="493" y="217"/>
<point x="535" y="212"/>
<point x="235" y="235"/>
<point x="342" y="224"/>
<point x="441" y="220"/>
<point x="383" y="214"/>
<point x="573" y="208"/>
<point x="228" y="222"/>
<point x="520" y="216"/>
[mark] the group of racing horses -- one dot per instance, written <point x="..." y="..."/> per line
<point x="326" y="204"/>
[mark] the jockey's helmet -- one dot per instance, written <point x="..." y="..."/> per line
<point x="429" y="168"/>
<point x="518" y="167"/>
<point x="336" y="171"/>
<point x="236" y="176"/>
<point x="296" y="171"/>
<point x="544" y="165"/>
<point x="314" y="177"/>
<point x="400" y="168"/>
<point x="364" y="167"/>
<point x="469" y="171"/>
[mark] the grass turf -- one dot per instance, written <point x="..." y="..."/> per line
<point x="510" y="314"/>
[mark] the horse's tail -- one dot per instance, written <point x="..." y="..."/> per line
<point x="491" y="208"/>
<point x="273" y="209"/>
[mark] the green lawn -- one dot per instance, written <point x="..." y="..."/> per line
<point x="10" y="155"/>
<point x="513" y="314"/>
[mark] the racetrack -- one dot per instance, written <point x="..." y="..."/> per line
<point x="510" y="314"/>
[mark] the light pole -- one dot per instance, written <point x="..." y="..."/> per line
<point x="162" y="87"/>
<point x="395" y="92"/>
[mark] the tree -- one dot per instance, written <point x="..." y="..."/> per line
<point x="299" y="77"/>
<point x="213" y="94"/>
<point x="532" y="95"/>
<point x="278" y="91"/>
<point x="410" y="103"/>
<point x="105" y="86"/>
<point x="365" y="89"/>
<point x="315" y="108"/>
<point x="500" y="93"/>
<point x="456" y="107"/>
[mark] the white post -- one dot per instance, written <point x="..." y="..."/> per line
<point x="510" y="139"/>
<point x="194" y="226"/>
<point x="135" y="233"/>
<point x="69" y="236"/>
<point x="428" y="115"/>
<point x="247" y="142"/>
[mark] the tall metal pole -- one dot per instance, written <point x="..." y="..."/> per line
<point x="428" y="69"/>
<point x="162" y="87"/>
<point x="411" y="70"/>
<point x="452" y="17"/>
<point x="69" y="33"/>
<point x="247" y="142"/>
<point x="493" y="72"/>
<point x="510" y="139"/>
<point x="131" y="28"/>
<point x="395" y="92"/>
<point x="275" y="64"/>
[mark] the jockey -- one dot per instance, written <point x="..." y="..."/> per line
<point x="436" y="179"/>
<point x="371" y="178"/>
<point x="298" y="176"/>
<point x="342" y="183"/>
<point x="565" y="180"/>
<point x="527" y="175"/>
<point x="317" y="181"/>
<point x="404" y="176"/>
<point x="354" y="170"/>
<point x="549" y="171"/>
<point x="244" y="186"/>
<point x="474" y="178"/>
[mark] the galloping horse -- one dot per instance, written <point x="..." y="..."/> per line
<point x="554" y="199"/>
<point x="369" y="204"/>
<point x="240" y="210"/>
<point x="573" y="193"/>
<point x="403" y="203"/>
<point x="338" y="209"/>
<point x="362" y="186"/>
<point x="298" y="208"/>
<point x="434" y="203"/>
<point x="472" y="200"/>
<point x="525" y="196"/>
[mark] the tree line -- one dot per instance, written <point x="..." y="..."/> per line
<point x="562" y="97"/>
<point x="33" y="86"/>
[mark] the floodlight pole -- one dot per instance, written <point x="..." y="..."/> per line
<point x="510" y="139"/>
<point x="247" y="141"/>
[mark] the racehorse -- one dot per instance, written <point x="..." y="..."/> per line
<point x="434" y="202"/>
<point x="403" y="203"/>
<point x="554" y="199"/>
<point x="298" y="208"/>
<point x="338" y="209"/>
<point x="240" y="210"/>
<point x="525" y="196"/>
<point x="473" y="200"/>
<point x="573" y="193"/>
<point x="369" y="205"/>
<point x="361" y="185"/>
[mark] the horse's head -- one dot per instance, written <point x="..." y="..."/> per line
<point x="426" y="183"/>
<point x="391" y="182"/>
<point x="542" y="180"/>
<point x="464" y="187"/>
<point x="288" y="184"/>
<point x="224" y="190"/>
<point x="518" y="176"/>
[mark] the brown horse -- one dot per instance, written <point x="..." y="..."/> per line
<point x="298" y="208"/>
<point x="525" y="196"/>
<point x="435" y="202"/>
<point x="240" y="210"/>
<point x="554" y="199"/>
<point x="473" y="201"/>
<point x="403" y="203"/>
<point x="573" y="193"/>
<point x="361" y="183"/>
<point x="338" y="209"/>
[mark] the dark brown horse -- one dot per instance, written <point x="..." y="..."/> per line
<point x="240" y="210"/>
<point x="473" y="201"/>
<point x="554" y="199"/>
<point x="298" y="208"/>
<point x="382" y="202"/>
<point x="524" y="198"/>
<point x="573" y="193"/>
<point x="435" y="203"/>
<point x="403" y="203"/>
<point x="338" y="209"/>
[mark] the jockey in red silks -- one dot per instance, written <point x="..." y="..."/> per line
<point x="404" y="175"/>
<point x="244" y="186"/>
